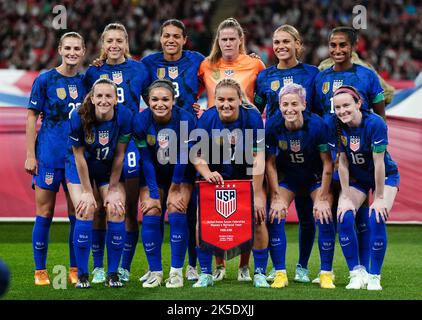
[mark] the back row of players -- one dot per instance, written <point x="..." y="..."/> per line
<point x="97" y="117"/>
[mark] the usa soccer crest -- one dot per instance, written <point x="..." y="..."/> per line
<point x="163" y="140"/>
<point x="287" y="81"/>
<point x="275" y="85"/>
<point x="225" y="202"/>
<point x="337" y="84"/>
<point x="215" y="74"/>
<point x="228" y="73"/>
<point x="73" y="91"/>
<point x="354" y="143"/>
<point x="151" y="139"/>
<point x="103" y="137"/>
<point x="117" y="77"/>
<point x="173" y="72"/>
<point x="161" y="73"/>
<point x="282" y="144"/>
<point x="295" y="145"/>
<point x="61" y="93"/>
<point x="49" y="177"/>
<point x="325" y="87"/>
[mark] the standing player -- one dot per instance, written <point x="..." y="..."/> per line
<point x="233" y="119"/>
<point x="55" y="94"/>
<point x="342" y="42"/>
<point x="99" y="133"/>
<point x="287" y="46"/>
<point x="181" y="68"/>
<point x="131" y="78"/>
<point x="166" y="179"/>
<point x="364" y="165"/>
<point x="299" y="160"/>
<point x="228" y="60"/>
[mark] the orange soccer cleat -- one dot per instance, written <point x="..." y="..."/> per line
<point x="41" y="278"/>
<point x="73" y="275"/>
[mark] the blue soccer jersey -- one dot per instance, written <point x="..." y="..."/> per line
<point x="363" y="79"/>
<point x="131" y="78"/>
<point x="183" y="73"/>
<point x="359" y="144"/>
<point x="165" y="144"/>
<point x="241" y="138"/>
<point x="271" y="80"/>
<point x="298" y="151"/>
<point x="100" y="145"/>
<point x="55" y="96"/>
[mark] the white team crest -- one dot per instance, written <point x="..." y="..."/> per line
<point x="163" y="140"/>
<point x="228" y="73"/>
<point x="287" y="81"/>
<point x="295" y="145"/>
<point x="49" y="177"/>
<point x="173" y="72"/>
<point x="225" y="202"/>
<point x="73" y="91"/>
<point x="103" y="137"/>
<point x="354" y="143"/>
<point x="337" y="84"/>
<point x="117" y="77"/>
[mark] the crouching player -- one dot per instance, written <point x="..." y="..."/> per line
<point x="166" y="179"/>
<point x="298" y="159"/>
<point x="99" y="133"/>
<point x="232" y="119"/>
<point x="364" y="164"/>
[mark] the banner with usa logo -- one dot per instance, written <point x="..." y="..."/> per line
<point x="226" y="217"/>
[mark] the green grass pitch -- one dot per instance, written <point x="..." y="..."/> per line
<point x="401" y="274"/>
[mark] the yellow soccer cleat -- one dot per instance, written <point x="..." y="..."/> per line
<point x="280" y="280"/>
<point x="73" y="275"/>
<point x="326" y="280"/>
<point x="41" y="278"/>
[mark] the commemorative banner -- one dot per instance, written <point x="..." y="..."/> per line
<point x="226" y="217"/>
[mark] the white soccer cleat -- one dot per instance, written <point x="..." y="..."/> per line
<point x="374" y="282"/>
<point x="356" y="280"/>
<point x="219" y="273"/>
<point x="145" y="276"/>
<point x="175" y="280"/>
<point x="191" y="273"/>
<point x="271" y="275"/>
<point x="155" y="280"/>
<point x="99" y="275"/>
<point x="243" y="274"/>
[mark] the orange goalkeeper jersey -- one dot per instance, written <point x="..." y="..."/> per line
<point x="244" y="70"/>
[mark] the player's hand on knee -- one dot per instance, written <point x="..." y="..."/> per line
<point x="278" y="209"/>
<point x="344" y="204"/>
<point x="380" y="208"/>
<point x="31" y="166"/>
<point x="86" y="204"/>
<point x="259" y="209"/>
<point x="322" y="211"/>
<point x="149" y="204"/>
<point x="115" y="203"/>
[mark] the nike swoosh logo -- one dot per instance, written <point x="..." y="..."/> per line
<point x="258" y="141"/>
<point x="175" y="241"/>
<point x="343" y="245"/>
<point x="39" y="248"/>
<point x="131" y="171"/>
<point x="379" y="141"/>
<point x="116" y="243"/>
<point x="376" y="249"/>
<point x="275" y="244"/>
<point x="326" y="249"/>
<point x="76" y="139"/>
<point x="149" y="250"/>
<point x="79" y="241"/>
<point x="34" y="102"/>
<point x="332" y="145"/>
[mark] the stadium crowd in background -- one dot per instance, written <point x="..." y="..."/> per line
<point x="392" y="42"/>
